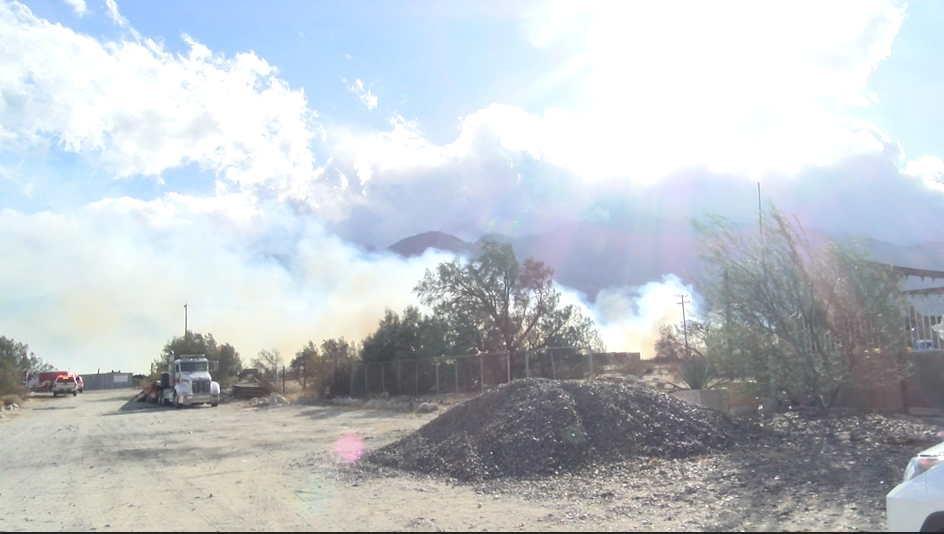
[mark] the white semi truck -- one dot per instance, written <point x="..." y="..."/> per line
<point x="187" y="382"/>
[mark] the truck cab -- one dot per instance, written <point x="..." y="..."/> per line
<point x="190" y="383"/>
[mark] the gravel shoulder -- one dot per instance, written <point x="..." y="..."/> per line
<point x="85" y="463"/>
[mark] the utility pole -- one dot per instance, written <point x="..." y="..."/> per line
<point x="683" y="302"/>
<point x="186" y="329"/>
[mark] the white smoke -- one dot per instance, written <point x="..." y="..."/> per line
<point x="105" y="287"/>
<point x="628" y="318"/>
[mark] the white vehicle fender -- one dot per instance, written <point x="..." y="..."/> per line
<point x="180" y="389"/>
<point x="214" y="388"/>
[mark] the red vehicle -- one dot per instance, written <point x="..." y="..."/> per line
<point x="42" y="381"/>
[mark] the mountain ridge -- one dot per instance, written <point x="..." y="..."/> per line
<point x="590" y="257"/>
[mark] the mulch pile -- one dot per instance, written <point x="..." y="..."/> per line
<point x="542" y="427"/>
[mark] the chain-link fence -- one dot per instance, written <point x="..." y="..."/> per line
<point x="476" y="372"/>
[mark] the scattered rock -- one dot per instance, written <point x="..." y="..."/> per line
<point x="769" y="406"/>
<point x="741" y="411"/>
<point x="427" y="407"/>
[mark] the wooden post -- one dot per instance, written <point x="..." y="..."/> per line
<point x="591" y="365"/>
<point x="383" y="379"/>
<point x="508" y="363"/>
<point x="398" y="377"/>
<point x="527" y="364"/>
<point x="437" y="378"/>
<point x="553" y="371"/>
<point x="481" y="373"/>
<point x="416" y="377"/>
<point x="455" y="366"/>
<point x="366" y="386"/>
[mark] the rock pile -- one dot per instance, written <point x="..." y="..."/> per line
<point x="542" y="427"/>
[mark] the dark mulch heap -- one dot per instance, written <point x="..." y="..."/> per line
<point x="542" y="427"/>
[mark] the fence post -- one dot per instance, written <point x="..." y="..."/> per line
<point x="366" y="384"/>
<point x="553" y="371"/>
<point x="416" y="378"/>
<point x="437" y="378"/>
<point x="350" y="391"/>
<point x="591" y="366"/>
<point x="398" y="378"/>
<point x="455" y="367"/>
<point x="383" y="379"/>
<point x="508" y="362"/>
<point x="481" y="373"/>
<point x="283" y="380"/>
<point x="527" y="364"/>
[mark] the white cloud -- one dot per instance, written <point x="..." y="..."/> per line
<point x="930" y="169"/>
<point x="363" y="95"/>
<point x="111" y="7"/>
<point x="735" y="86"/>
<point x="78" y="6"/>
<point x="141" y="110"/>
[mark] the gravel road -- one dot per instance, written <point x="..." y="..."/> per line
<point x="88" y="463"/>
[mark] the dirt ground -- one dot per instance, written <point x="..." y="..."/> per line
<point x="90" y="463"/>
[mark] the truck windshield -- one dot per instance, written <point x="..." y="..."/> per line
<point x="193" y="367"/>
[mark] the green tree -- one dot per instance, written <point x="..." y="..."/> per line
<point x="808" y="314"/>
<point x="269" y="361"/>
<point x="326" y="370"/>
<point x="306" y="364"/>
<point x="407" y="337"/>
<point x="15" y="360"/>
<point x="229" y="364"/>
<point x="494" y="303"/>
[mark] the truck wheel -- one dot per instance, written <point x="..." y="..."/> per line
<point x="74" y="393"/>
<point x="54" y="394"/>
<point x="214" y="404"/>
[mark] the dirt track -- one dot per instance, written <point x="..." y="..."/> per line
<point x="86" y="463"/>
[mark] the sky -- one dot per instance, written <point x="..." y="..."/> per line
<point x="253" y="160"/>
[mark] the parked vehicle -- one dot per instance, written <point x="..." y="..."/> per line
<point x="63" y="385"/>
<point x="917" y="504"/>
<point x="80" y="383"/>
<point x="187" y="382"/>
<point x="42" y="381"/>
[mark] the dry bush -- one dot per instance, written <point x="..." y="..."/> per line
<point x="12" y="399"/>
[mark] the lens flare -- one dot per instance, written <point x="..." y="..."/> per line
<point x="349" y="448"/>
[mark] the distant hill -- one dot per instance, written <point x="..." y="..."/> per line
<point x="418" y="244"/>
<point x="585" y="256"/>
<point x="589" y="256"/>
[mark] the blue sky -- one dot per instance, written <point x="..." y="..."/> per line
<point x="248" y="156"/>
